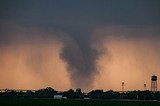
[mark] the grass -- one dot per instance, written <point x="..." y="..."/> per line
<point x="53" y="102"/>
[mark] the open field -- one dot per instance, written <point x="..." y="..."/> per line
<point x="52" y="102"/>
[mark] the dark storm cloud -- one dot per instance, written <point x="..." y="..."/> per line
<point x="52" y="12"/>
<point x="77" y="18"/>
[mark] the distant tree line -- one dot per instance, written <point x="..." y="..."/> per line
<point x="131" y="95"/>
<point x="78" y="94"/>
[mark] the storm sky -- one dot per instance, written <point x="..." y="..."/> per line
<point x="88" y="44"/>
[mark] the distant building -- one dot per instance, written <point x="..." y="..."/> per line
<point x="145" y="87"/>
<point x="122" y="86"/>
<point x="154" y="83"/>
<point x="64" y="97"/>
<point x="86" y="98"/>
<point x="58" y="96"/>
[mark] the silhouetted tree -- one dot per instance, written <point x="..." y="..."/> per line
<point x="45" y="93"/>
<point x="96" y="94"/>
<point x="69" y="94"/>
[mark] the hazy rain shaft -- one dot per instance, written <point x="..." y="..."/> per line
<point x="78" y="44"/>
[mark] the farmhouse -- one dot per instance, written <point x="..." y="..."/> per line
<point x="58" y="96"/>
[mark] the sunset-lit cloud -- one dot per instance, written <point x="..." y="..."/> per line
<point x="128" y="59"/>
<point x="33" y="66"/>
<point x="79" y="44"/>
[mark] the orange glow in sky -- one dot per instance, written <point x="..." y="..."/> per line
<point x="130" y="61"/>
<point x="38" y="65"/>
<point x="33" y="66"/>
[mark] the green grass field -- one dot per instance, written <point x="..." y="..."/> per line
<point x="52" y="102"/>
